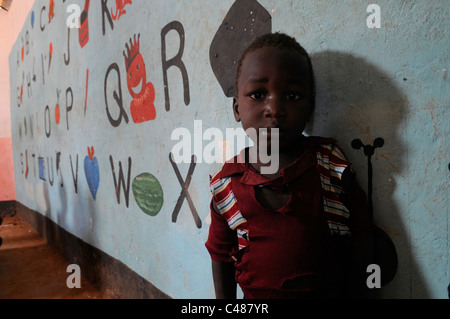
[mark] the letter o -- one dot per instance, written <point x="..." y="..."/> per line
<point x="47" y="119"/>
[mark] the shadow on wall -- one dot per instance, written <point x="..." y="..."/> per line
<point x="357" y="100"/>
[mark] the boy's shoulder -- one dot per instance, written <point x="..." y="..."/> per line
<point x="315" y="141"/>
<point x="231" y="167"/>
<point x="326" y="146"/>
<point x="214" y="178"/>
<point x="228" y="169"/>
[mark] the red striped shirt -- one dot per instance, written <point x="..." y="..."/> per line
<point x="270" y="247"/>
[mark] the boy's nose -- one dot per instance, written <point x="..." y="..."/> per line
<point x="275" y="108"/>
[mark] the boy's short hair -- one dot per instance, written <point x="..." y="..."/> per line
<point x="281" y="41"/>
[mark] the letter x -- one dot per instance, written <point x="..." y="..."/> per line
<point x="184" y="191"/>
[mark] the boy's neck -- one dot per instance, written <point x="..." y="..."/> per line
<point x="286" y="157"/>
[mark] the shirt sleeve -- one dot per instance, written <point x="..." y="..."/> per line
<point x="221" y="239"/>
<point x="355" y="200"/>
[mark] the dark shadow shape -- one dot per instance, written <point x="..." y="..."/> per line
<point x="384" y="251"/>
<point x="245" y="21"/>
<point x="358" y="100"/>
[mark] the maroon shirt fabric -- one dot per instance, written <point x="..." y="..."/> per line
<point x="290" y="251"/>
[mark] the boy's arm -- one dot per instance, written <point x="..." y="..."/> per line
<point x="223" y="276"/>
<point x="223" y="270"/>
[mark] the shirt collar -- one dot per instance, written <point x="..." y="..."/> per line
<point x="250" y="176"/>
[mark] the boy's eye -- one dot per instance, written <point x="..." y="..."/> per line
<point x="257" y="95"/>
<point x="293" y="97"/>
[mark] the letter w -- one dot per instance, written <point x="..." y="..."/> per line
<point x="121" y="181"/>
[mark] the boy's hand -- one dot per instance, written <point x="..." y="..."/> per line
<point x="224" y="283"/>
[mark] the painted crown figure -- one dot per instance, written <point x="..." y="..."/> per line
<point x="142" y="107"/>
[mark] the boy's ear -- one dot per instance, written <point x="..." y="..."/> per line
<point x="237" y="116"/>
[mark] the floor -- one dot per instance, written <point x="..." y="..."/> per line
<point x="30" y="269"/>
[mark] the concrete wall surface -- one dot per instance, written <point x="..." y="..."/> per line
<point x="94" y="108"/>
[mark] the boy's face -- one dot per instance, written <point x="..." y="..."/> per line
<point x="274" y="92"/>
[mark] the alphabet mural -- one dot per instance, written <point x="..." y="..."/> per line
<point x="83" y="31"/>
<point x="120" y="5"/>
<point x="143" y="92"/>
<point x="97" y="159"/>
<point x="91" y="171"/>
<point x="184" y="191"/>
<point x="141" y="108"/>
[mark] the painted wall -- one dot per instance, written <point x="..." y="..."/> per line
<point x="12" y="21"/>
<point x="93" y="114"/>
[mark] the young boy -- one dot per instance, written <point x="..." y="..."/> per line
<point x="303" y="231"/>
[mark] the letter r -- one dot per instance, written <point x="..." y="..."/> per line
<point x="175" y="61"/>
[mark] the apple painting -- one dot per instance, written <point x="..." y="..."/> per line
<point x="92" y="172"/>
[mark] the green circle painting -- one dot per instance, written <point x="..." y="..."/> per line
<point x="148" y="193"/>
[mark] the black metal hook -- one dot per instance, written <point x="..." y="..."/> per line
<point x="369" y="150"/>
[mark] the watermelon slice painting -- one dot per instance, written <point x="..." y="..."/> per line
<point x="148" y="193"/>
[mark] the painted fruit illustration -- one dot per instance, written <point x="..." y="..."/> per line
<point x="92" y="172"/>
<point x="148" y="193"/>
